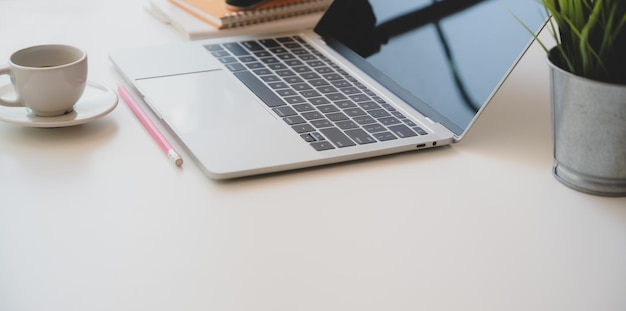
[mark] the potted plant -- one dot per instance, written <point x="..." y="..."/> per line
<point x="588" y="93"/>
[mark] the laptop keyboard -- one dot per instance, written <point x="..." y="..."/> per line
<point x="322" y="103"/>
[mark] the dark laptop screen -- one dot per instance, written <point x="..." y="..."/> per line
<point x="446" y="68"/>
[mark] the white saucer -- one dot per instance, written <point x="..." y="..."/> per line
<point x="97" y="101"/>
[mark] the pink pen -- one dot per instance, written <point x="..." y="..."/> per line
<point x="152" y="129"/>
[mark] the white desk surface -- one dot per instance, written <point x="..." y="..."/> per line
<point x="94" y="217"/>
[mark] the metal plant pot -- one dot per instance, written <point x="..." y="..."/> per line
<point x="589" y="132"/>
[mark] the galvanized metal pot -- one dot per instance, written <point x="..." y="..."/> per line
<point x="589" y="132"/>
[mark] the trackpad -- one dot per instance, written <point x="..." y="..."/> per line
<point x="222" y="123"/>
<point x="204" y="101"/>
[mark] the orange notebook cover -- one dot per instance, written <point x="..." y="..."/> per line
<point x="215" y="12"/>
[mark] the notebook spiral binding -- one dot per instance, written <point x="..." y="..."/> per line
<point x="244" y="18"/>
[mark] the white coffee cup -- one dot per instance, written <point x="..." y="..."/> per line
<point x="48" y="79"/>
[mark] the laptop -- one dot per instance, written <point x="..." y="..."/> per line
<point x="372" y="78"/>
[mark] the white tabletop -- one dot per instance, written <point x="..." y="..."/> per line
<point x="94" y="217"/>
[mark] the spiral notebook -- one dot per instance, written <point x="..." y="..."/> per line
<point x="215" y="12"/>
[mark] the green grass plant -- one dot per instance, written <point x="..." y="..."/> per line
<point x="590" y="38"/>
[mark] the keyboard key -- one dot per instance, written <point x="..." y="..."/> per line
<point x="317" y="136"/>
<point x="293" y="62"/>
<point x="293" y="79"/>
<point x="368" y="92"/>
<point x="312" y="115"/>
<point x="379" y="113"/>
<point x="308" y="138"/>
<point x="269" y="60"/>
<point x="363" y="120"/>
<point x="247" y="59"/>
<point x="344" y="104"/>
<point x="236" y="67"/>
<point x="346" y="125"/>
<point x="227" y="60"/>
<point x="337" y="137"/>
<point x="303" y="107"/>
<point x="277" y="66"/>
<point x="270" y="78"/>
<point x="389" y="121"/>
<point x="299" y="51"/>
<point x="374" y="127"/>
<point x="378" y="100"/>
<point x="324" y="70"/>
<point x="286" y="56"/>
<point x="311" y="137"/>
<point x="278" y="85"/>
<point x="360" y="85"/>
<point x="353" y="112"/>
<point x="213" y="47"/>
<point x="321" y="123"/>
<point x="399" y="115"/>
<point x="292" y="120"/>
<point x="322" y="145"/>
<point x="310" y="93"/>
<point x="337" y="116"/>
<point x="262" y="53"/>
<point x="316" y="63"/>
<point x="384" y="136"/>
<point x="336" y="96"/>
<point x="295" y="100"/>
<point x="270" y="43"/>
<point x="252" y="46"/>
<point x="332" y="76"/>
<point x="255" y="65"/>
<point x="326" y="89"/>
<point x="292" y="45"/>
<point x="420" y="131"/>
<point x="301" y="86"/>
<point x="360" y="136"/>
<point x="302" y="128"/>
<point x="301" y="69"/>
<point x="310" y="75"/>
<point x="220" y="53"/>
<point x="350" y="90"/>
<point x="387" y="106"/>
<point x="359" y="97"/>
<point x="236" y="49"/>
<point x="402" y="131"/>
<point x="284" y="111"/>
<point x="318" y="82"/>
<point x="285" y="73"/>
<point x="318" y="100"/>
<point x="328" y="108"/>
<point x="262" y="71"/>
<point x="341" y="83"/>
<point x="351" y="79"/>
<point x="369" y="105"/>
<point x="278" y="50"/>
<point x="408" y="122"/>
<point x="286" y="92"/>
<point x="307" y="57"/>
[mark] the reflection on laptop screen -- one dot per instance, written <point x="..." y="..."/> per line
<point x="448" y="67"/>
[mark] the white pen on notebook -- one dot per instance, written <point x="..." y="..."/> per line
<point x="149" y="125"/>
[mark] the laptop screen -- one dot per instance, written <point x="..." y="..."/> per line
<point x="445" y="58"/>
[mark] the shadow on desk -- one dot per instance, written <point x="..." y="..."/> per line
<point x="378" y="165"/>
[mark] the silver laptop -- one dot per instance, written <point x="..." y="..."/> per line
<point x="373" y="78"/>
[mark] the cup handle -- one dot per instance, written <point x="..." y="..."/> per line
<point x="5" y="70"/>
